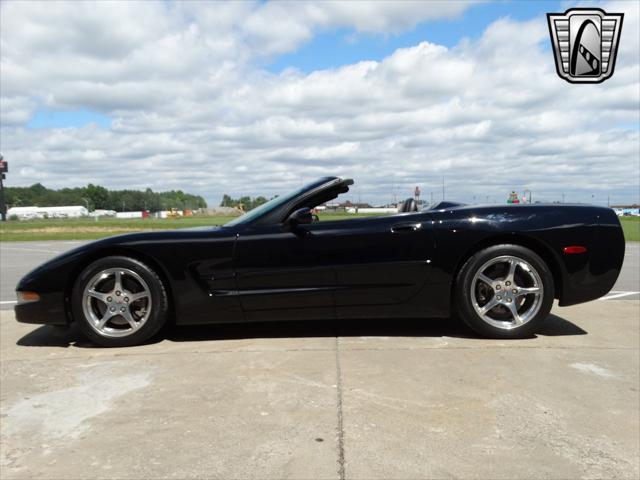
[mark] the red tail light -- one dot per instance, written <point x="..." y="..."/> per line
<point x="573" y="249"/>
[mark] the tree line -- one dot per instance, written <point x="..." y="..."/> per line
<point x="247" y="203"/>
<point x="97" y="197"/>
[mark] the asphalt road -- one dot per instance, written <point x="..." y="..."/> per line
<point x="17" y="258"/>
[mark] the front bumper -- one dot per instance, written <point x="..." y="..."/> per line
<point x="49" y="310"/>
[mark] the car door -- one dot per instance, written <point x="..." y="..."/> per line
<point x="382" y="264"/>
<point x="285" y="274"/>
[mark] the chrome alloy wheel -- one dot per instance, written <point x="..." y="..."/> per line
<point x="116" y="302"/>
<point x="507" y="292"/>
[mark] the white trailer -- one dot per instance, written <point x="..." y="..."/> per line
<point x="129" y="215"/>
<point x="28" y="213"/>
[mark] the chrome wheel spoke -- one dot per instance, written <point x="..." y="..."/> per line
<point x="513" y="264"/>
<point x="527" y="291"/>
<point x="489" y="305"/>
<point x="98" y="295"/>
<point x="485" y="279"/>
<point x="513" y="308"/>
<point x="105" y="318"/>
<point x="117" y="285"/>
<point x="137" y="296"/>
<point x="129" y="318"/>
<point x="110" y="314"/>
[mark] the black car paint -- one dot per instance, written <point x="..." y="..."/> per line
<point x="390" y="266"/>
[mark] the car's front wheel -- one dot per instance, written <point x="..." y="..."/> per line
<point x="504" y="291"/>
<point x="119" y="301"/>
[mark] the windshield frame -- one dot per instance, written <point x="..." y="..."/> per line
<point x="276" y="210"/>
<point x="265" y="208"/>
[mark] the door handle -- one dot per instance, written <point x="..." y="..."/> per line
<point x="406" y="227"/>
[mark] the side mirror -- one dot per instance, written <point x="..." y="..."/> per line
<point x="299" y="217"/>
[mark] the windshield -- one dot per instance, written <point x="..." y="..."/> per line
<point x="265" y="208"/>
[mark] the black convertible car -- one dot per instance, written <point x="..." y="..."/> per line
<point x="497" y="267"/>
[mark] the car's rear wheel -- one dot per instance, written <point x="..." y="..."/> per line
<point x="504" y="291"/>
<point x="119" y="301"/>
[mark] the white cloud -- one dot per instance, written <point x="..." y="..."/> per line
<point x="16" y="110"/>
<point x="193" y="111"/>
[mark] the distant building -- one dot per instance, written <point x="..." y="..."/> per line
<point x="138" y="214"/>
<point x="357" y="207"/>
<point x="342" y="205"/>
<point x="349" y="204"/>
<point x="627" y="211"/>
<point x="372" y="210"/>
<point x="221" y="211"/>
<point x="103" y="213"/>
<point x="28" y="213"/>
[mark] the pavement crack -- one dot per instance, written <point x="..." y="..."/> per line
<point x="340" y="428"/>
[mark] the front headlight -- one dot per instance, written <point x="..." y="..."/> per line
<point x="27" y="297"/>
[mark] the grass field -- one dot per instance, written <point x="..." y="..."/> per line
<point x="631" y="227"/>
<point x="88" y="229"/>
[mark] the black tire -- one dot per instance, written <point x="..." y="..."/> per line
<point x="464" y="302"/>
<point x="157" y="294"/>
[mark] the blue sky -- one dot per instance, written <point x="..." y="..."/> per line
<point x="46" y="118"/>
<point x="340" y="47"/>
<point x="345" y="46"/>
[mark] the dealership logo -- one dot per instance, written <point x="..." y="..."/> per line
<point x="585" y="43"/>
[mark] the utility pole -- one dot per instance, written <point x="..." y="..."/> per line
<point x="443" y="187"/>
<point x="563" y="198"/>
<point x="608" y="201"/>
<point x="86" y="201"/>
<point x="4" y="168"/>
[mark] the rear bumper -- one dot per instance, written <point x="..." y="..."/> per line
<point x="593" y="275"/>
<point x="49" y="310"/>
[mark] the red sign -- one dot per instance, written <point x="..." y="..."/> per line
<point x="4" y="166"/>
<point x="417" y="192"/>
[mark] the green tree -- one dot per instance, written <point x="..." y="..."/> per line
<point x="100" y="197"/>
<point x="97" y="195"/>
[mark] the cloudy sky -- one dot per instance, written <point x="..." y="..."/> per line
<point x="260" y="97"/>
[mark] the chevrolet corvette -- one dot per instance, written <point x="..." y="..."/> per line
<point x="497" y="267"/>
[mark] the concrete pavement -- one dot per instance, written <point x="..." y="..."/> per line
<point x="403" y="399"/>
